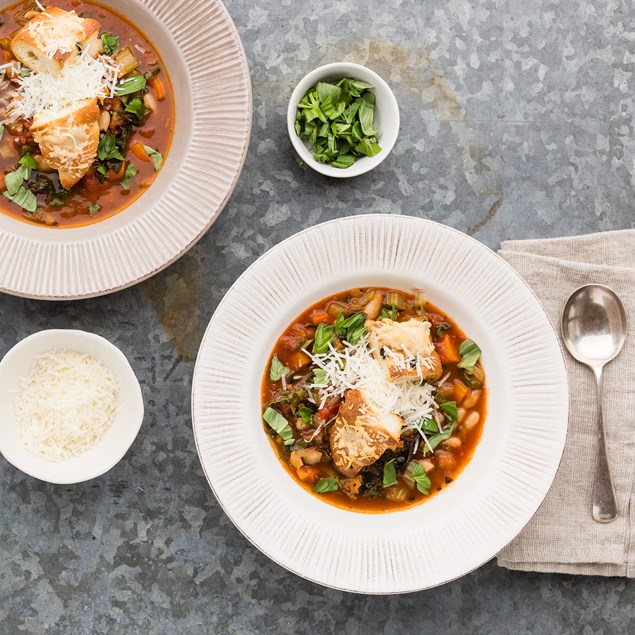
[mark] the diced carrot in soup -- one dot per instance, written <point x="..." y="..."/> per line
<point x="448" y="351"/>
<point x="308" y="473"/>
<point x="460" y="390"/>
<point x="298" y="359"/>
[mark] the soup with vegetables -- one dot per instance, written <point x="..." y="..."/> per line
<point x="86" y="112"/>
<point x="374" y="399"/>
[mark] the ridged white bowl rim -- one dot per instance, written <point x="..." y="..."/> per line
<point x="513" y="466"/>
<point x="202" y="50"/>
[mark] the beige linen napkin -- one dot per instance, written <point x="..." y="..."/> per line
<point x="562" y="536"/>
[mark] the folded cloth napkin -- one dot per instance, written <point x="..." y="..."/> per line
<point x="562" y="536"/>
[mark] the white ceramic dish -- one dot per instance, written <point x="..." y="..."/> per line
<point x="515" y="461"/>
<point x="208" y="69"/>
<point x="386" y="116"/>
<point x="115" y="442"/>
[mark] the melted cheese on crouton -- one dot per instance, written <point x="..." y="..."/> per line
<point x="404" y="349"/>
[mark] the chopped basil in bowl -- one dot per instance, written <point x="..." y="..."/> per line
<point x="343" y="119"/>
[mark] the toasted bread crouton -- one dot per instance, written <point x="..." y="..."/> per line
<point x="404" y="349"/>
<point x="361" y="433"/>
<point x="55" y="36"/>
<point x="69" y="141"/>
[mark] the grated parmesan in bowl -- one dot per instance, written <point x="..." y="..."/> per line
<point x="65" y="404"/>
<point x="70" y="406"/>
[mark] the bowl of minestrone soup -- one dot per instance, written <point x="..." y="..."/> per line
<point x="376" y="378"/>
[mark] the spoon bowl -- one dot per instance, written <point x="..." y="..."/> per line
<point x="594" y="325"/>
<point x="594" y="331"/>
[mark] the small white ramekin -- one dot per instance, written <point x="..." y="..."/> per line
<point x="386" y="116"/>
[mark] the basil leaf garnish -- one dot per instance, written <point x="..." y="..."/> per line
<point x="420" y="477"/>
<point x="130" y="84"/>
<point x="323" y="337"/>
<point x="327" y="485"/>
<point x="470" y="354"/>
<point x="306" y="414"/>
<point x="278" y="423"/>
<point x="128" y="175"/>
<point x="320" y="377"/>
<point x="352" y="329"/>
<point x="390" y="473"/>
<point x="155" y="156"/>
<point x="449" y="409"/>
<point x="110" y="43"/>
<point x="24" y="198"/>
<point x="107" y="148"/>
<point x="338" y="121"/>
<point x="277" y="370"/>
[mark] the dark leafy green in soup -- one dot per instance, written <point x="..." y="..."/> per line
<point x="374" y="399"/>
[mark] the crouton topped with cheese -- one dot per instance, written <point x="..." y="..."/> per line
<point x="404" y="349"/>
<point x="362" y="433"/>
<point x="55" y="37"/>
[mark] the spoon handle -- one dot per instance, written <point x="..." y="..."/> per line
<point x="604" y="506"/>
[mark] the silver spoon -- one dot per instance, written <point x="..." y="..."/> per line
<point x="594" y="330"/>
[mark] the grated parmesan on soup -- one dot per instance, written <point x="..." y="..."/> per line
<point x="65" y="405"/>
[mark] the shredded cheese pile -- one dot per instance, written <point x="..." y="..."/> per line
<point x="66" y="404"/>
<point x="354" y="367"/>
<point x="50" y="95"/>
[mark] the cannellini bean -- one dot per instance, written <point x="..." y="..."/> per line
<point x="472" y="399"/>
<point x="460" y="414"/>
<point x="104" y="120"/>
<point x="427" y="465"/>
<point x="471" y="421"/>
<point x="150" y="102"/>
<point x="374" y="306"/>
<point x="453" y="442"/>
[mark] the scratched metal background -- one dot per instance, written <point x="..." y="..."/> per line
<point x="517" y="121"/>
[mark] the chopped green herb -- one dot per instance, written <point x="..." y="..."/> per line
<point x="449" y="409"/>
<point x="389" y="315"/>
<point x="470" y="354"/>
<point x="24" y="198"/>
<point x="28" y="162"/>
<point x="130" y="84"/>
<point x="107" y="148"/>
<point x="278" y="423"/>
<point x="327" y="485"/>
<point x="320" y="377"/>
<point x="25" y="72"/>
<point x="94" y="208"/>
<point x="277" y="370"/>
<point x="390" y="473"/>
<point x="428" y="426"/>
<point x="420" y="477"/>
<point x="306" y="414"/>
<point x="110" y="43"/>
<point x="352" y="329"/>
<point x="128" y="175"/>
<point x="135" y="106"/>
<point x="442" y="328"/>
<point x="323" y="337"/>
<point x="155" y="156"/>
<point x="338" y="121"/>
<point x="13" y="181"/>
<point x="437" y="439"/>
